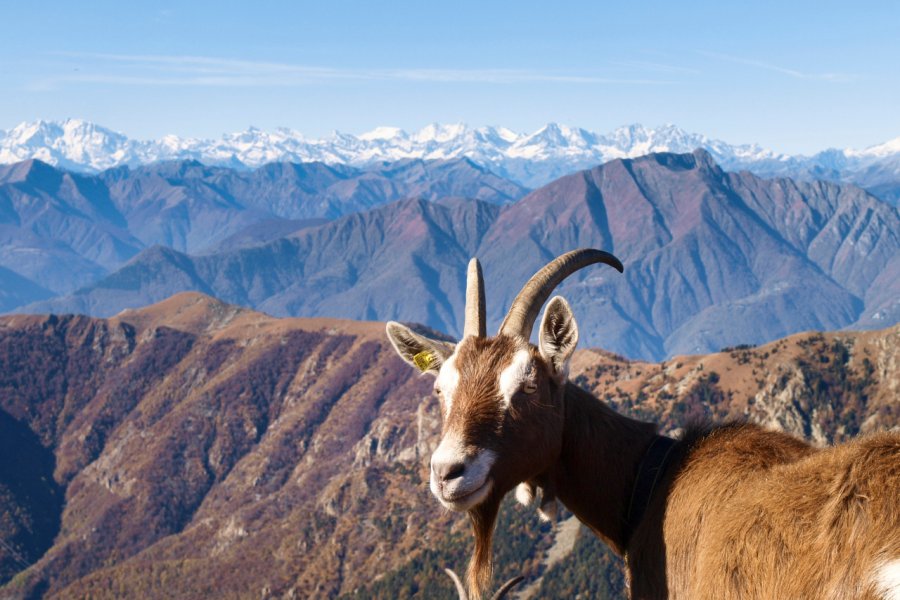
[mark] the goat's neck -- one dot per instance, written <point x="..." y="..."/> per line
<point x="595" y="474"/>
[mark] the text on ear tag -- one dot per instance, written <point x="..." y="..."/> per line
<point x="424" y="360"/>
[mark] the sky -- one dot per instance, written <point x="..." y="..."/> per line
<point x="795" y="77"/>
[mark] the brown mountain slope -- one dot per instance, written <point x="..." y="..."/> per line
<point x="210" y="451"/>
<point x="825" y="387"/>
<point x="185" y="428"/>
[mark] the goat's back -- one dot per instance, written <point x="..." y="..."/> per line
<point x="758" y="514"/>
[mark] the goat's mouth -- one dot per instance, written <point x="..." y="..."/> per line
<point x="461" y="481"/>
<point x="461" y="500"/>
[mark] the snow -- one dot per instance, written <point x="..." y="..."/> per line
<point x="889" y="148"/>
<point x="551" y="150"/>
<point x="383" y="133"/>
<point x="439" y="133"/>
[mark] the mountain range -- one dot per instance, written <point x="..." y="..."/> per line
<point x="712" y="259"/>
<point x="532" y="159"/>
<point x="195" y="449"/>
<point x="61" y="230"/>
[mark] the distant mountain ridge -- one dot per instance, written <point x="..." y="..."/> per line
<point x="711" y="258"/>
<point x="532" y="159"/>
<point x="63" y="230"/>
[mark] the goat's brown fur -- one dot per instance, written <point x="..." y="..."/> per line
<point x="741" y="512"/>
<point x="759" y="514"/>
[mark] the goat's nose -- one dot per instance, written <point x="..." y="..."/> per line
<point x="448" y="470"/>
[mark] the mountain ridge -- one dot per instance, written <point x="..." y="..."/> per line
<point x="531" y="159"/>
<point x="712" y="259"/>
<point x="63" y="230"/>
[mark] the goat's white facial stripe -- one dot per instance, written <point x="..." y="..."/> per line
<point x="447" y="381"/>
<point x="512" y="377"/>
<point x="887" y="580"/>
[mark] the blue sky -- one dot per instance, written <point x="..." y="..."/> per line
<point x="795" y="77"/>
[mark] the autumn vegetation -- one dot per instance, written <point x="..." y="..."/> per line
<point x="193" y="449"/>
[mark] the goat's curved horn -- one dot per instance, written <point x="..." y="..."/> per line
<point x="525" y="308"/>
<point x="475" y="323"/>
<point x="504" y="589"/>
<point x="461" y="589"/>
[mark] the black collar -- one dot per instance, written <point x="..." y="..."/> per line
<point x="652" y="467"/>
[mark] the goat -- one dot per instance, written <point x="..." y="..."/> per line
<point x="724" y="513"/>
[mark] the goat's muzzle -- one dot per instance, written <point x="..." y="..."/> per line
<point x="460" y="481"/>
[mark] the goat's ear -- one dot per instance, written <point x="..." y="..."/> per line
<point x="558" y="337"/>
<point x="425" y="354"/>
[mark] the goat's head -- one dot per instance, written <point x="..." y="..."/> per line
<point x="501" y="397"/>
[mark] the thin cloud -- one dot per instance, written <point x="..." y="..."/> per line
<point x="830" y="77"/>
<point x="499" y="76"/>
<point x="655" y="66"/>
<point x="199" y="64"/>
<point x="162" y="70"/>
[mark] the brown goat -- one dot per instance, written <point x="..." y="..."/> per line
<point x="733" y="512"/>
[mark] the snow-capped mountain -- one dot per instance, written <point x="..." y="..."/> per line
<point x="531" y="159"/>
<point x="72" y="144"/>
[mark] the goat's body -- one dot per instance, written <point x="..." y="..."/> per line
<point x="757" y="514"/>
<point x="747" y="513"/>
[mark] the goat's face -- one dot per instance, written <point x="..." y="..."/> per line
<point x="502" y="406"/>
<point x="501" y="398"/>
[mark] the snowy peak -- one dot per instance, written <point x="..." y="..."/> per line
<point x="532" y="159"/>
<point x="440" y="133"/>
<point x="71" y="133"/>
<point x="72" y="143"/>
<point x="889" y="148"/>
<point x="637" y="140"/>
<point x="383" y="133"/>
<point x="554" y="135"/>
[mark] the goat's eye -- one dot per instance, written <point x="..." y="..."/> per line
<point x="530" y="387"/>
<point x="437" y="391"/>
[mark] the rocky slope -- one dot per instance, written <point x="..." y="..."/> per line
<point x="195" y="449"/>
<point x="712" y="259"/>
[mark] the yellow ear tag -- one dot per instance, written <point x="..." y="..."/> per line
<point x="424" y="360"/>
